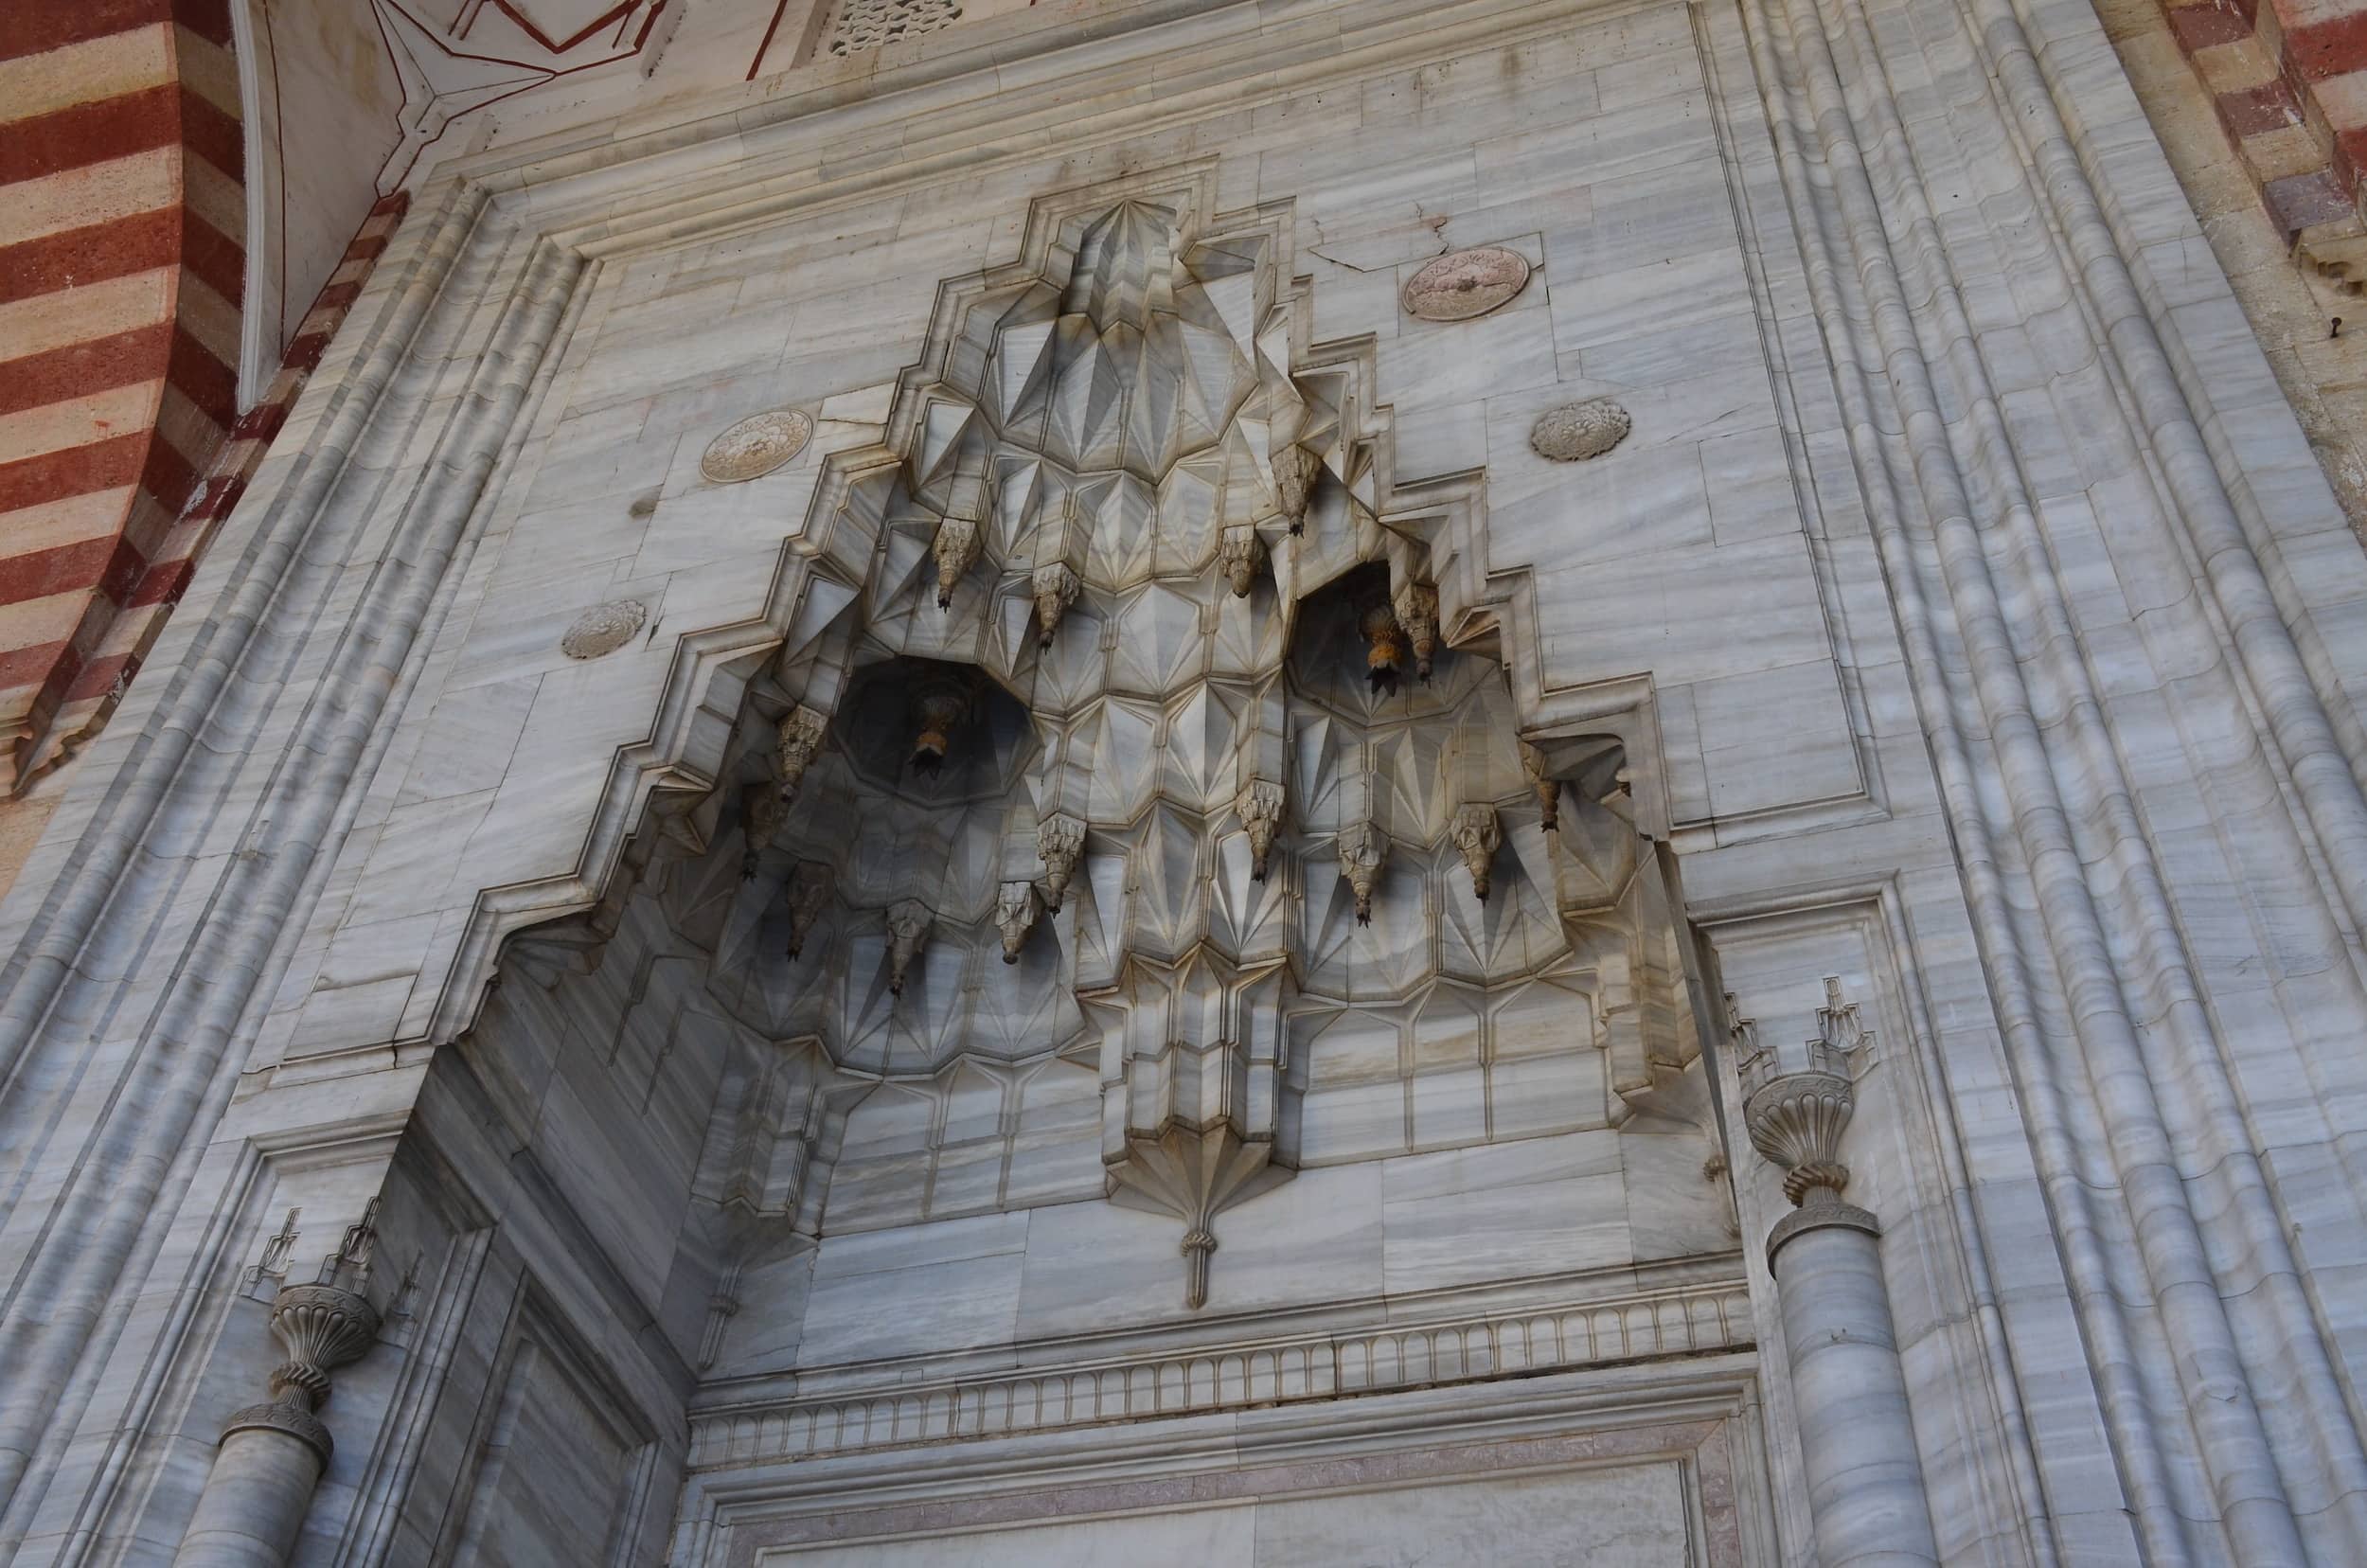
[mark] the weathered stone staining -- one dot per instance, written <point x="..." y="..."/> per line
<point x="1465" y="284"/>
<point x="756" y="446"/>
<point x="1576" y="432"/>
<point x="603" y="629"/>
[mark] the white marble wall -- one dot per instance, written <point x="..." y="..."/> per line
<point x="1994" y="633"/>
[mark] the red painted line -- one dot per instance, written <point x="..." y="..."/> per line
<point x="769" y="28"/>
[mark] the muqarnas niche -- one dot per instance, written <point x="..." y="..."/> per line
<point x="1059" y="855"/>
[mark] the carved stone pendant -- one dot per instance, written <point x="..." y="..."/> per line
<point x="793" y="746"/>
<point x="1294" y="472"/>
<point x="1479" y="833"/>
<point x="1016" y="904"/>
<point x="1363" y="847"/>
<point x="958" y="547"/>
<point x="760" y="816"/>
<point x="1060" y="840"/>
<point x="1241" y="553"/>
<point x="908" y="923"/>
<point x="809" y="892"/>
<point x="1258" y="804"/>
<point x="1056" y="589"/>
<point x="1416" y="606"/>
<point x="1548" y="790"/>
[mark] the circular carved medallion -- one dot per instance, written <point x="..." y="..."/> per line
<point x="756" y="446"/>
<point x="1466" y="283"/>
<point x="1577" y="431"/>
<point x="603" y="629"/>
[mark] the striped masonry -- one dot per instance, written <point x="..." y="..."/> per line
<point x="122" y="264"/>
<point x="2289" y="81"/>
<point x="165" y="575"/>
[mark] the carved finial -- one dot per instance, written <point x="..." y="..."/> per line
<point x="1060" y="840"/>
<point x="760" y="816"/>
<point x="1384" y="646"/>
<point x="1363" y="847"/>
<point x="1056" y="589"/>
<point x="1547" y="790"/>
<point x="808" y="891"/>
<point x="1240" y="552"/>
<point x="1416" y="607"/>
<point x="273" y="1263"/>
<point x="1478" y="832"/>
<point x="957" y="549"/>
<point x="793" y="746"/>
<point x="1015" y="907"/>
<point x="938" y="704"/>
<point x="1294" y="470"/>
<point x="1258" y="804"/>
<point x="908" y="923"/>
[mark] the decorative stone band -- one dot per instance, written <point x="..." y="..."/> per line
<point x="297" y="1423"/>
<point x="1676" y="1320"/>
<point x="1826" y="1211"/>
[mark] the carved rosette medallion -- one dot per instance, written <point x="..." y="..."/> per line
<point x="1575" y="432"/>
<point x="1464" y="284"/>
<point x="603" y="629"/>
<point x="756" y="446"/>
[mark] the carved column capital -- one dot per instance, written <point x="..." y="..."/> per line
<point x="1796" y="1117"/>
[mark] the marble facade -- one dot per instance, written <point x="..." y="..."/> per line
<point x="1512" y="780"/>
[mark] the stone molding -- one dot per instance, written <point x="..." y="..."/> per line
<point x="1699" y="1412"/>
<point x="903" y="1405"/>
